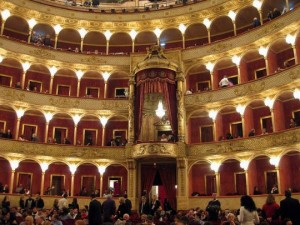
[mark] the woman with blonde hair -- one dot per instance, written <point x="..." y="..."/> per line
<point x="270" y="209"/>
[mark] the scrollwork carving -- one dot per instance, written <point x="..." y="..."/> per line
<point x="64" y="103"/>
<point x="154" y="149"/>
<point x="250" y="89"/>
<point x="42" y="53"/>
<point x="13" y="95"/>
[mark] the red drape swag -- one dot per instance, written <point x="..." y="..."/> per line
<point x="168" y="178"/>
<point x="148" y="173"/>
<point x="156" y="81"/>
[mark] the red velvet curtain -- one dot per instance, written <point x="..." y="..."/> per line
<point x="148" y="173"/>
<point x="156" y="81"/>
<point x="168" y="178"/>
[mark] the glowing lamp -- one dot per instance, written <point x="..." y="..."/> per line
<point x="32" y="22"/>
<point x="215" y="166"/>
<point x="26" y="66"/>
<point x="296" y="93"/>
<point x="133" y="34"/>
<point x="107" y="35"/>
<point x="48" y="117"/>
<point x="244" y="164"/>
<point x="101" y="170"/>
<point x="52" y="70"/>
<point x="157" y="32"/>
<point x="105" y="76"/>
<point x="82" y="32"/>
<point x="269" y="102"/>
<point x="5" y="14"/>
<point x="257" y="4"/>
<point x="290" y="39"/>
<point x="241" y="109"/>
<point x="182" y="28"/>
<point x="76" y="119"/>
<point x="232" y="15"/>
<point x="44" y="167"/>
<point x="274" y="161"/>
<point x="212" y="114"/>
<point x="210" y="66"/>
<point x="57" y="28"/>
<point x="14" y="164"/>
<point x="103" y="120"/>
<point x="1" y="58"/>
<point x="20" y="113"/>
<point x="79" y="74"/>
<point x="73" y="168"/>
<point x="263" y="51"/>
<point x="207" y="23"/>
<point x="160" y="112"/>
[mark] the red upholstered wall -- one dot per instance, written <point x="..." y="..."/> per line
<point x="298" y="46"/>
<point x="248" y="120"/>
<point x="66" y="45"/>
<point x="272" y="60"/>
<point x="177" y="44"/>
<point x="62" y="123"/>
<point x="199" y="77"/>
<point x="196" y="42"/>
<point x="289" y="107"/>
<point x="120" y="49"/>
<point x="219" y="126"/>
<point x="89" y="124"/>
<point x="85" y="170"/>
<point x="227" y="171"/>
<point x="283" y="56"/>
<point x="197" y="178"/>
<point x="16" y="73"/>
<point x="91" y="83"/>
<point x="253" y="66"/>
<point x="219" y="74"/>
<point x="15" y="35"/>
<point x="285" y="167"/>
<point x="112" y="125"/>
<point x="59" y="169"/>
<point x="227" y="119"/>
<point x="115" y="83"/>
<point x="32" y="168"/>
<point x="115" y="171"/>
<point x="257" y="114"/>
<point x="34" y="120"/>
<point x="38" y="76"/>
<point x="5" y="171"/>
<point x="221" y="36"/>
<point x="295" y="175"/>
<point x="252" y="178"/>
<point x="195" y="124"/>
<point x="92" y="48"/>
<point x="10" y="118"/>
<point x="60" y="80"/>
<point x="279" y="115"/>
<point x="244" y="72"/>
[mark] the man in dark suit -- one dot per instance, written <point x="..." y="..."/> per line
<point x="144" y="206"/>
<point x="29" y="203"/>
<point x="94" y="215"/>
<point x="109" y="209"/>
<point x="128" y="204"/>
<point x="290" y="208"/>
<point x="39" y="202"/>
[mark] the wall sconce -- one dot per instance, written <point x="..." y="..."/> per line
<point x="44" y="167"/>
<point x="79" y="74"/>
<point x="14" y="164"/>
<point x="73" y="168"/>
<point x="182" y="28"/>
<point x="105" y="76"/>
<point x="157" y="32"/>
<point x="57" y="28"/>
<point x="32" y="22"/>
<point x="213" y="114"/>
<point x="53" y="70"/>
<point x="48" y="116"/>
<point x="103" y="121"/>
<point x="236" y="60"/>
<point x="107" y="34"/>
<point x="215" y="166"/>
<point x="20" y="112"/>
<point x="244" y="164"/>
<point x="26" y="66"/>
<point x="232" y="15"/>
<point x="101" y="170"/>
<point x="160" y="112"/>
<point x="1" y="58"/>
<point x="82" y="32"/>
<point x="133" y="34"/>
<point x="207" y="23"/>
<point x="257" y="4"/>
<point x="296" y="94"/>
<point x="274" y="160"/>
<point x="269" y="102"/>
<point x="241" y="109"/>
<point x="5" y="14"/>
<point x="210" y="66"/>
<point x="76" y="119"/>
<point x="263" y="51"/>
<point x="290" y="39"/>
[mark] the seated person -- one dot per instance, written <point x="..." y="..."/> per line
<point x="164" y="138"/>
<point x="251" y="133"/>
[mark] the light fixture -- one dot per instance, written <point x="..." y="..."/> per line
<point x="296" y="94"/>
<point x="244" y="164"/>
<point x="241" y="109"/>
<point x="101" y="170"/>
<point x="290" y="39"/>
<point x="53" y="70"/>
<point x="26" y="66"/>
<point x="82" y="32"/>
<point x="232" y="15"/>
<point x="1" y="58"/>
<point x="32" y="22"/>
<point x="215" y="166"/>
<point x="210" y="66"/>
<point x="79" y="74"/>
<point x="274" y="160"/>
<point x="103" y="120"/>
<point x="76" y="119"/>
<point x="73" y="168"/>
<point x="263" y="51"/>
<point x="236" y="60"/>
<point x="157" y="32"/>
<point x="14" y="164"/>
<point x="107" y="35"/>
<point x="182" y="28"/>
<point x="160" y="112"/>
<point x="133" y="34"/>
<point x="207" y="23"/>
<point x="5" y="14"/>
<point x="105" y="76"/>
<point x="257" y="4"/>
<point x="44" y="167"/>
<point x="20" y="112"/>
<point x="48" y="116"/>
<point x="57" y="28"/>
<point x="212" y="114"/>
<point x="269" y="102"/>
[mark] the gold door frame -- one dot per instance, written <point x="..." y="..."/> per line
<point x="63" y="85"/>
<point x="115" y="178"/>
<point x="114" y="130"/>
<point x="260" y="69"/>
<point x="265" y="174"/>
<point x="200" y="132"/>
<point x="37" y="81"/>
<point x="236" y="173"/>
<point x="53" y="131"/>
<point x="95" y="88"/>
<point x="24" y="173"/>
<point x="87" y="129"/>
<point x="11" y="78"/>
<point x="57" y="175"/>
<point x="205" y="182"/>
<point x="4" y="124"/>
<point x="203" y="82"/>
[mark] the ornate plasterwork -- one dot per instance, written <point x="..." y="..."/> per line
<point x="154" y="149"/>
<point x="69" y="18"/>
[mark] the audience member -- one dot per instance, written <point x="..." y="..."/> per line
<point x="108" y="209"/>
<point x="289" y="208"/>
<point x="224" y="82"/>
<point x="251" y="133"/>
<point x="213" y="208"/>
<point x="248" y="212"/>
<point x="63" y="202"/>
<point x="29" y="203"/>
<point x="276" y="13"/>
<point x="256" y="22"/>
<point x="270" y="209"/>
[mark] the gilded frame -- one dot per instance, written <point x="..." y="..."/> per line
<point x="203" y="82"/>
<point x="200" y="132"/>
<point x="64" y="128"/>
<point x="11" y="78"/>
<point x="4" y="124"/>
<point x="93" y="88"/>
<point x="260" y="69"/>
<point x="120" y="178"/>
<point x="29" y="125"/>
<point x="37" y="81"/>
<point x="24" y="173"/>
<point x="57" y="175"/>
<point x="235" y="183"/>
<point x="88" y="129"/>
<point x="119" y="88"/>
<point x="83" y="176"/>
<point x="114" y="130"/>
<point x="234" y="123"/>
<point x="63" y="85"/>
<point x="265" y="174"/>
<point x="205" y="181"/>
<point x="261" y="121"/>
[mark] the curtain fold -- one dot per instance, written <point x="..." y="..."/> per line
<point x="148" y="173"/>
<point x="156" y="81"/>
<point x="168" y="178"/>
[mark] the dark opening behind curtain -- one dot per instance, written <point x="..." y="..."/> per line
<point x="148" y="173"/>
<point x="155" y="81"/>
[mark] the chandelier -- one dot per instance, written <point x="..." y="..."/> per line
<point x="160" y="112"/>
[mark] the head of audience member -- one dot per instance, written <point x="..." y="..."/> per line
<point x="248" y="203"/>
<point x="270" y="199"/>
<point x="287" y="222"/>
<point x="126" y="217"/>
<point x="214" y="196"/>
<point x="39" y="220"/>
<point x="28" y="220"/>
<point x="288" y="193"/>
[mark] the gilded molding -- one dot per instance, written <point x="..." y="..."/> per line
<point x="257" y="144"/>
<point x="43" y="53"/>
<point x="154" y="149"/>
<point x="29" y="149"/>
<point x="250" y="89"/>
<point x="12" y="94"/>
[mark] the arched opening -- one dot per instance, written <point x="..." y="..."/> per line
<point x="116" y="131"/>
<point x="65" y="83"/>
<point x="17" y="28"/>
<point x="171" y="38"/>
<point x="120" y="43"/>
<point x="196" y="35"/>
<point x="144" y="40"/>
<point x="11" y="72"/>
<point x="115" y="180"/>
<point x="198" y="79"/>
<point x="37" y="79"/>
<point x="117" y="85"/>
<point x="92" y="85"/>
<point x="68" y="39"/>
<point x="61" y="129"/>
<point x="94" y="42"/>
<point x="221" y="28"/>
<point x="87" y="180"/>
<point x="89" y="131"/>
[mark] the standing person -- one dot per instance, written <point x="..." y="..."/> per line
<point x="63" y="202"/>
<point x="144" y="206"/>
<point x="94" y="215"/>
<point x="155" y="204"/>
<point x="29" y="203"/>
<point x="128" y="204"/>
<point x="122" y="209"/>
<point x="213" y="208"/>
<point x="248" y="213"/>
<point x="224" y="82"/>
<point x="270" y="209"/>
<point x="108" y="209"/>
<point x="39" y="201"/>
<point x="289" y="208"/>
